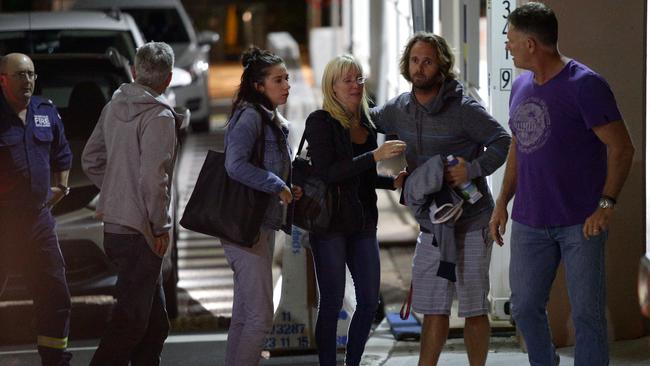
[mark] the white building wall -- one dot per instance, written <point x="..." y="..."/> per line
<point x="397" y="29"/>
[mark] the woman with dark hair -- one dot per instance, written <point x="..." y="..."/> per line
<point x="264" y="86"/>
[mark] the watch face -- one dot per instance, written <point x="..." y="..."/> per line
<point x="605" y="203"/>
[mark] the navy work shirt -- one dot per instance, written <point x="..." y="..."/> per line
<point x="30" y="152"/>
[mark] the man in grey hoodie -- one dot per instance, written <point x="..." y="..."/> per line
<point x="130" y="156"/>
<point x="437" y="118"/>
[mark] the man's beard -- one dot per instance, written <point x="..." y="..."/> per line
<point x="428" y="83"/>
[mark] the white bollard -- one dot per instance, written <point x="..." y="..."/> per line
<point x="345" y="315"/>
<point x="295" y="315"/>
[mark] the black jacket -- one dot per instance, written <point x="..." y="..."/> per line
<point x="332" y="156"/>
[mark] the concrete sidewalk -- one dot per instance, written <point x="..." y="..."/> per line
<point x="383" y="350"/>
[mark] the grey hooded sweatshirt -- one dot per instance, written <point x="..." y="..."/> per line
<point x="130" y="156"/>
<point x="451" y="124"/>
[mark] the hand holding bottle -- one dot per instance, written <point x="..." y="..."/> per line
<point x="456" y="175"/>
<point x="456" y="171"/>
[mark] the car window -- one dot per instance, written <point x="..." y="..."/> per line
<point x="59" y="90"/>
<point x="160" y="25"/>
<point x="13" y="41"/>
<point x="78" y="122"/>
<point x="68" y="41"/>
<point x="79" y="89"/>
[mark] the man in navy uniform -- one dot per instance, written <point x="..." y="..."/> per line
<point x="34" y="163"/>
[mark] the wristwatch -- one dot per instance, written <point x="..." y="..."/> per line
<point x="64" y="189"/>
<point x="606" y="202"/>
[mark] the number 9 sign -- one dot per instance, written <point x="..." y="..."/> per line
<point x="506" y="79"/>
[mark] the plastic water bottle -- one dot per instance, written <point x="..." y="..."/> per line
<point x="468" y="190"/>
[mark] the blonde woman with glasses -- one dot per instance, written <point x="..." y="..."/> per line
<point x="343" y="149"/>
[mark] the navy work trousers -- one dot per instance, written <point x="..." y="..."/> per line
<point x="29" y="247"/>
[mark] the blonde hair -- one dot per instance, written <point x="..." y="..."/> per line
<point x="334" y="71"/>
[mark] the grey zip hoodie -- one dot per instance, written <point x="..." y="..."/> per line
<point x="130" y="156"/>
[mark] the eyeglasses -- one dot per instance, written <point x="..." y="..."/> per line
<point x="360" y="80"/>
<point x="29" y="75"/>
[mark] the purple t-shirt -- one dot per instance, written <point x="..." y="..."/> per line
<point x="561" y="163"/>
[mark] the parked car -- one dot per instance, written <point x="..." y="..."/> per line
<point x="167" y="21"/>
<point x="68" y="32"/>
<point x="80" y="85"/>
<point x="78" y="32"/>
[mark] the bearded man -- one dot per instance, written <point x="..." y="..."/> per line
<point x="437" y="119"/>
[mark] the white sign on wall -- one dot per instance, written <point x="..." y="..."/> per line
<point x="501" y="67"/>
<point x="501" y="74"/>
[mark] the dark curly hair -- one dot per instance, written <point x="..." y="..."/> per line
<point x="443" y="53"/>
<point x="536" y="19"/>
<point x="257" y="63"/>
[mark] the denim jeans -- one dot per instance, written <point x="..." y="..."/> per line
<point x="139" y="324"/>
<point x="360" y="251"/>
<point x="535" y="255"/>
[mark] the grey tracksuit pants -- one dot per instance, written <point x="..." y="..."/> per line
<point x="252" y="310"/>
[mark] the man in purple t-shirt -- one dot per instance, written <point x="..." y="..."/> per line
<point x="569" y="157"/>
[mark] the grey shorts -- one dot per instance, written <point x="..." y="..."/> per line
<point x="433" y="295"/>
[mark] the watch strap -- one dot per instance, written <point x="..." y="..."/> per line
<point x="609" y="198"/>
<point x="65" y="189"/>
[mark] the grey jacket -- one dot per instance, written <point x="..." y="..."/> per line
<point x="452" y="124"/>
<point x="424" y="191"/>
<point x="130" y="156"/>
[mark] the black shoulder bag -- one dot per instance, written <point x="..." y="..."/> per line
<point x="223" y="207"/>
<point x="313" y="211"/>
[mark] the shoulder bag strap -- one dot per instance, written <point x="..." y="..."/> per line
<point x="234" y="119"/>
<point x="261" y="140"/>
<point x="260" y="143"/>
<point x="302" y="142"/>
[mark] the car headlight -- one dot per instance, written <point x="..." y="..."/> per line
<point x="198" y="68"/>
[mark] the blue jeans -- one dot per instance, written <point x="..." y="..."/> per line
<point x="535" y="255"/>
<point x="139" y="324"/>
<point x="360" y="251"/>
